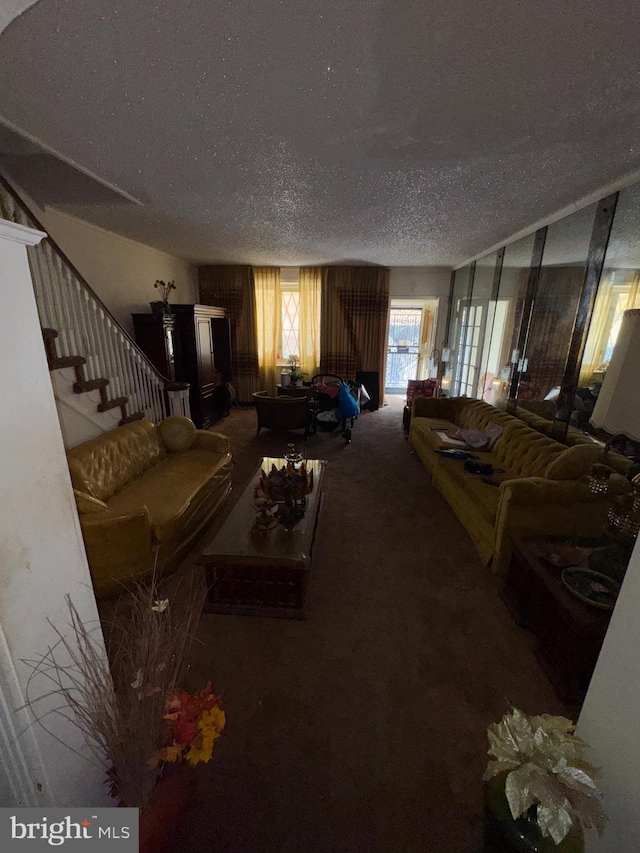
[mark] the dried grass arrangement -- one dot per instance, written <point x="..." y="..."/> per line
<point x="120" y="703"/>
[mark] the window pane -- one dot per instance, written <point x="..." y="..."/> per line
<point x="290" y="323"/>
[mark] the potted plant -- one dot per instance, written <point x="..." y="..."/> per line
<point x="137" y="720"/>
<point x="295" y="373"/>
<point x="162" y="306"/>
<point x="539" y="791"/>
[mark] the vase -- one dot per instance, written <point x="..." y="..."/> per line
<point x="503" y="834"/>
<point x="162" y="818"/>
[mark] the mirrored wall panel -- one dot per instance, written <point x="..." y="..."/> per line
<point x="553" y="314"/>
<point x="509" y="313"/>
<point x="619" y="289"/>
<point x="456" y="381"/>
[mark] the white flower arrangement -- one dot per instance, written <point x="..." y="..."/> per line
<point x="546" y="770"/>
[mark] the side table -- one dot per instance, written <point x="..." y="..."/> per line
<point x="294" y="391"/>
<point x="569" y="632"/>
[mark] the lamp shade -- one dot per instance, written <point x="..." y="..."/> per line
<point x="617" y="409"/>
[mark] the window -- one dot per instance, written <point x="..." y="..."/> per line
<point x="290" y="320"/>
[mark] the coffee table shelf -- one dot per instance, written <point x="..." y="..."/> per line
<point x="257" y="572"/>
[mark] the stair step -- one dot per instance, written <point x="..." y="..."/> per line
<point x="49" y="334"/>
<point x="89" y="385"/>
<point x="113" y="404"/>
<point x="60" y="362"/>
<point x="136" y="416"/>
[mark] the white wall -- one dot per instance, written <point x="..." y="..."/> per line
<point x="121" y="271"/>
<point x="11" y="9"/>
<point x="610" y="719"/>
<point x="41" y="553"/>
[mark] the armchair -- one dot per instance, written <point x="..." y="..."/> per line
<point x="282" y="413"/>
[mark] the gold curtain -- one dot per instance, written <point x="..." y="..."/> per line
<point x="602" y="318"/>
<point x="231" y="288"/>
<point x="268" y="310"/>
<point x="355" y="318"/>
<point x="310" y="290"/>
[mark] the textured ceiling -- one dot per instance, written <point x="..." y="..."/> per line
<point x="401" y="132"/>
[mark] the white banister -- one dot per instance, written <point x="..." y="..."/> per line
<point x="86" y="328"/>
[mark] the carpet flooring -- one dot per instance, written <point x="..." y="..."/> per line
<point x="362" y="728"/>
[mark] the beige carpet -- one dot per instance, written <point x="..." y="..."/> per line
<point x="363" y="728"/>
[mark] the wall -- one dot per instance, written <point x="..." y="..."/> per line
<point x="610" y="719"/>
<point x="11" y="9"/>
<point x="121" y="271"/>
<point x="41" y="555"/>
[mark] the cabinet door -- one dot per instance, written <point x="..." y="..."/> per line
<point x="222" y="348"/>
<point x="204" y="347"/>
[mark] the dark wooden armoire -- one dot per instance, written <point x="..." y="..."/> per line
<point x="192" y="344"/>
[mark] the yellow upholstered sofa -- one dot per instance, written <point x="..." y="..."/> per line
<point x="543" y="490"/>
<point x="143" y="492"/>
<point x="539" y="415"/>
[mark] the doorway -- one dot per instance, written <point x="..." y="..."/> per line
<point x="411" y="331"/>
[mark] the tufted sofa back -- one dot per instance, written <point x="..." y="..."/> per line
<point x="520" y="449"/>
<point x="103" y="466"/>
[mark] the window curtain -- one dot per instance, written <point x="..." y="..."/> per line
<point x="355" y="318"/>
<point x="310" y="300"/>
<point x="268" y="311"/>
<point x="602" y="319"/>
<point x="231" y="288"/>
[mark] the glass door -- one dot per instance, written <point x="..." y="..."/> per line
<point x="403" y="350"/>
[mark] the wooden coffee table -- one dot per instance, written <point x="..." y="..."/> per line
<point x="258" y="572"/>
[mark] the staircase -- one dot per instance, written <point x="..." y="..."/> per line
<point x="87" y="350"/>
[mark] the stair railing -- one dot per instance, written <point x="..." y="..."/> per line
<point x="86" y="327"/>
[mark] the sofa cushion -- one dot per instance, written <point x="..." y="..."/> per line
<point x="171" y="489"/>
<point x="178" y="433"/>
<point x="485" y="497"/>
<point x="574" y="462"/>
<point x="477" y="414"/>
<point x="106" y="464"/>
<point x="523" y="451"/>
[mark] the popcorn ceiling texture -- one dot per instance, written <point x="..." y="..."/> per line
<point x="300" y="131"/>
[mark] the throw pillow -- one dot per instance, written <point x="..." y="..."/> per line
<point x="87" y="504"/>
<point x="178" y="433"/>
<point x="574" y="462"/>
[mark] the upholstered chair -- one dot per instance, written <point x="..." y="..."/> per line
<point x="282" y="413"/>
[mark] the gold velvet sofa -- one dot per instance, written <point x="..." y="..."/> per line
<point x="143" y="492"/>
<point x="539" y="415"/>
<point x="543" y="490"/>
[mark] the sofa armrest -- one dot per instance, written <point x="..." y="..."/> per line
<point x="120" y="546"/>
<point x="535" y="491"/>
<point x="434" y="407"/>
<point x="215" y="442"/>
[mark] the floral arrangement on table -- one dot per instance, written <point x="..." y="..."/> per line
<point x="293" y="365"/>
<point x="547" y="778"/>
<point x="129" y="705"/>
<point x="287" y="483"/>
